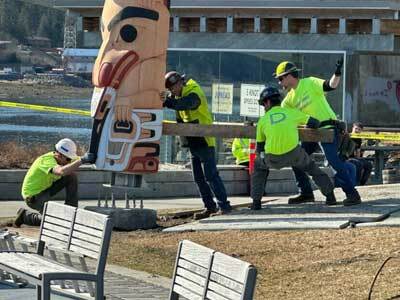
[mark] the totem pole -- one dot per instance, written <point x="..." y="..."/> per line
<point x="128" y="76"/>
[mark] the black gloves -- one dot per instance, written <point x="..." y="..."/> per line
<point x="313" y="123"/>
<point x="339" y="65"/>
<point x="169" y="103"/>
<point x="89" y="158"/>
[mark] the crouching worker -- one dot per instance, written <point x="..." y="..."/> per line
<point x="278" y="147"/>
<point x="48" y="175"/>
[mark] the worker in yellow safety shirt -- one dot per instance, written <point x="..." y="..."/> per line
<point x="187" y="98"/>
<point x="241" y="151"/>
<point x="49" y="174"/>
<point x="308" y="96"/>
<point x="241" y="148"/>
<point x="278" y="146"/>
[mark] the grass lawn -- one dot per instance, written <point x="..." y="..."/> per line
<point x="302" y="264"/>
<point x="312" y="264"/>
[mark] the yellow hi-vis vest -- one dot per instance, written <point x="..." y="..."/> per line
<point x="201" y="115"/>
<point x="241" y="150"/>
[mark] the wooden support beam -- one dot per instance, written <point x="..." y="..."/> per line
<point x="230" y="130"/>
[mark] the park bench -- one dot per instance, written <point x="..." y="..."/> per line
<point x="202" y="273"/>
<point x="72" y="231"/>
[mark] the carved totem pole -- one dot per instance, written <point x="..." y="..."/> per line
<point x="128" y="76"/>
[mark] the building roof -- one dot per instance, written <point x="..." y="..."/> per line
<point x="80" y="52"/>
<point x="218" y="4"/>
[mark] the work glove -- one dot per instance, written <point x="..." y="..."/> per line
<point x="89" y="158"/>
<point x="339" y="65"/>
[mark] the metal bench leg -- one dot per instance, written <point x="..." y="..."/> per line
<point x="45" y="289"/>
<point x="38" y="292"/>
<point x="112" y="200"/>
<point x="126" y="200"/>
<point x="99" y="291"/>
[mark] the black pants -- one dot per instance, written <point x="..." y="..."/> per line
<point x="69" y="182"/>
<point x="206" y="176"/>
<point x="363" y="169"/>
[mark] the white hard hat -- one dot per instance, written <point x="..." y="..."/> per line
<point x="67" y="148"/>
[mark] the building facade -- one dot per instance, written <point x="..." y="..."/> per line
<point x="241" y="42"/>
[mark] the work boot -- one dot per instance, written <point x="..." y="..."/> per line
<point x="352" y="199"/>
<point x="302" y="198"/>
<point x="204" y="214"/>
<point x="222" y="211"/>
<point x="256" y="205"/>
<point x="330" y="199"/>
<point x="19" y="220"/>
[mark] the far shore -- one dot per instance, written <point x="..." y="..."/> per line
<point x="14" y="90"/>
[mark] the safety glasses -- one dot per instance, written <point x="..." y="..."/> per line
<point x="280" y="78"/>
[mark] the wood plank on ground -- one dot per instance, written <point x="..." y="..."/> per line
<point x="191" y="212"/>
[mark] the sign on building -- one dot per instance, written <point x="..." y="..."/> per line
<point x="249" y="95"/>
<point x="222" y="98"/>
<point x="380" y="89"/>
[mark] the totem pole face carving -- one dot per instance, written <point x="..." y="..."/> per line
<point x="128" y="75"/>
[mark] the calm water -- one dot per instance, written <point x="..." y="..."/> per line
<point x="29" y="126"/>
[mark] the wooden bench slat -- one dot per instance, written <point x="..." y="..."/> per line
<point x="213" y="296"/>
<point x="90" y="219"/>
<point x="186" y="293"/>
<point x="196" y="253"/>
<point x="226" y="282"/>
<point x="57" y="221"/>
<point x="84" y="244"/>
<point x="202" y="271"/>
<point x="91" y="231"/>
<point x="83" y="236"/>
<point x="32" y="264"/>
<point x="58" y="229"/>
<point x="229" y="293"/>
<point x="191" y="276"/>
<point x="84" y="251"/>
<point x="61" y="211"/>
<point x="62" y="238"/>
<point x="231" y="267"/>
<point x="198" y="289"/>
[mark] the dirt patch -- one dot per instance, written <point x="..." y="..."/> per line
<point x="14" y="90"/>
<point x="312" y="264"/>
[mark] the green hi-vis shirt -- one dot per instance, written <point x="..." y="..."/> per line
<point x="241" y="150"/>
<point x="201" y="115"/>
<point x="309" y="97"/>
<point x="39" y="176"/>
<point x="278" y="128"/>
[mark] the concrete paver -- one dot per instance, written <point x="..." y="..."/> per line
<point x="278" y="215"/>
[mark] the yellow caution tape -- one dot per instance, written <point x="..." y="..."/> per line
<point x="383" y="136"/>
<point x="45" y="108"/>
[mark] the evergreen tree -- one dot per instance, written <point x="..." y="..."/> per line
<point x="20" y="20"/>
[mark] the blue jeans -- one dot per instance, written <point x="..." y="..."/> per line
<point x="345" y="176"/>
<point x="206" y="176"/>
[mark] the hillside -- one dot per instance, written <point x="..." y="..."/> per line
<point x="21" y="20"/>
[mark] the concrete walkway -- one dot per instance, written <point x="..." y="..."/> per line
<point x="278" y="215"/>
<point x="9" y="208"/>
<point x="120" y="284"/>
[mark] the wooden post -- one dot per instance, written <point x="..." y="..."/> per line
<point x="229" y="130"/>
